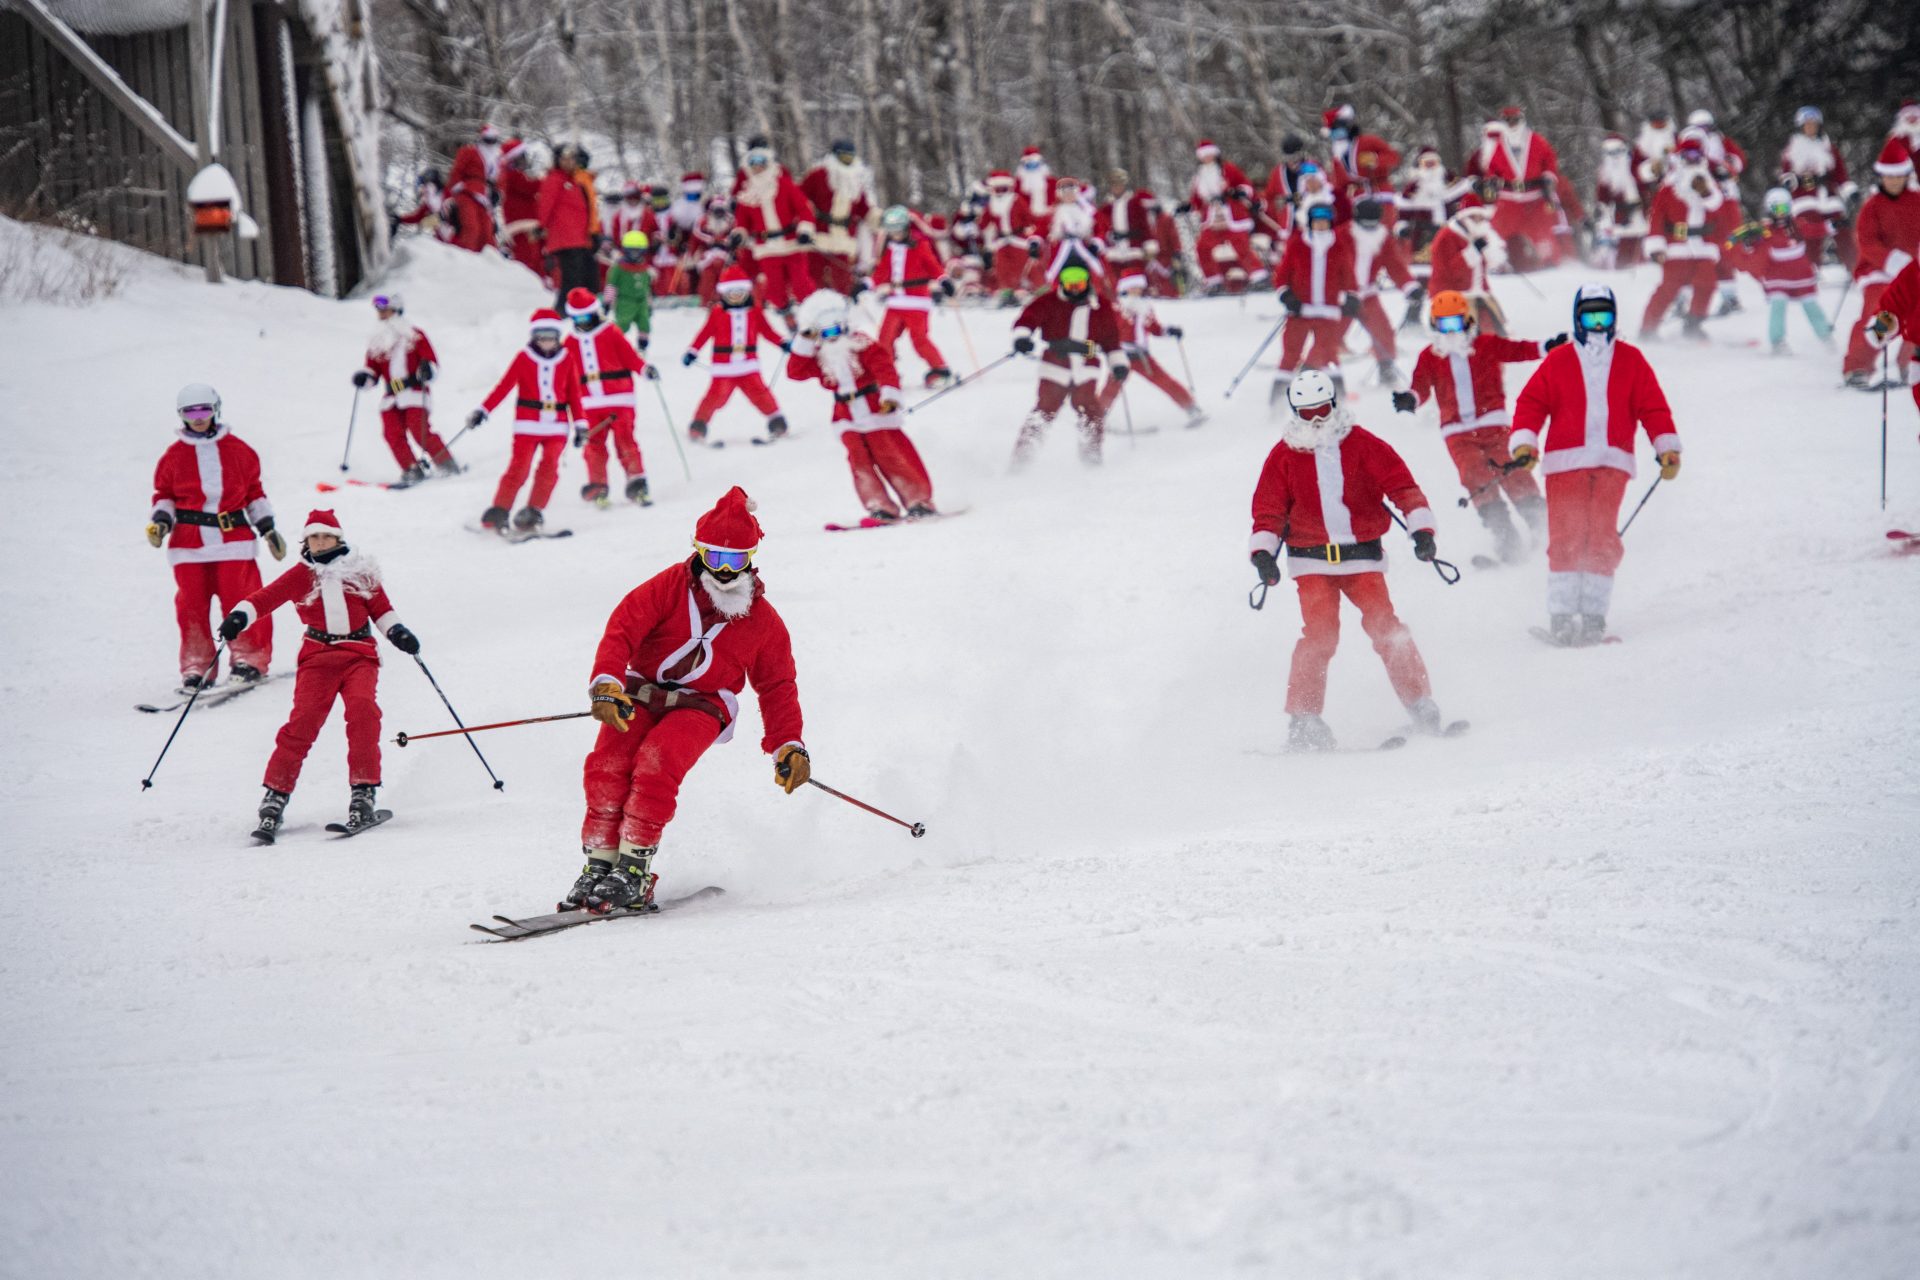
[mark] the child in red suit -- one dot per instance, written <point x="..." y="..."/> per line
<point x="545" y="380"/>
<point x="1774" y="253"/>
<point x="338" y="595"/>
<point x="735" y="328"/>
<point x="1138" y="326"/>
<point x="906" y="274"/>
<point x="401" y="362"/>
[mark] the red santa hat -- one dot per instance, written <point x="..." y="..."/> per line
<point x="999" y="178"/>
<point x="321" y="521"/>
<point x="1895" y="159"/>
<point x="511" y="148"/>
<point x="1128" y="283"/>
<point x="1512" y="112"/>
<point x="1421" y="153"/>
<point x="692" y="181"/>
<point x="1494" y="129"/>
<point x="1029" y="151"/>
<point x="730" y="526"/>
<point x="632" y="191"/>
<point x="1206" y="149"/>
<point x="1690" y="149"/>
<point x="489" y="133"/>
<point x="1342" y="114"/>
<point x="581" y="302"/>
<point x="545" y="318"/>
<point x="734" y="278"/>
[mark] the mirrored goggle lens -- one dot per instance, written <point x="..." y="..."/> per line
<point x="1315" y="412"/>
<point x="381" y="302"/>
<point x="829" y="332"/>
<point x="198" y="413"/>
<point x="1596" y="319"/>
<point x="1449" y="324"/>
<point x="726" y="561"/>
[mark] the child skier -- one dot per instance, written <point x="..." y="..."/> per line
<point x="545" y="380"/>
<point x="337" y="593"/>
<point x="1138" y="326"/>
<point x="1773" y="253"/>
<point x="608" y="365"/>
<point x="630" y="290"/>
<point x="735" y="328"/>
<point x="401" y="362"/>
<point x="906" y="273"/>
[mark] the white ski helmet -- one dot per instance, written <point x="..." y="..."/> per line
<point x="196" y="395"/>
<point x="1702" y="119"/>
<point x="390" y="301"/>
<point x="823" y="312"/>
<point x="1310" y="389"/>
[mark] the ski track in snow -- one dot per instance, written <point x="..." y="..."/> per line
<point x="1620" y="984"/>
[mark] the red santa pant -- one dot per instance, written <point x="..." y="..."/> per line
<point x="1160" y="281"/>
<point x="402" y="425"/>
<point x="1086" y="402"/>
<point x="633" y="779"/>
<point x="882" y="458"/>
<point x="1583" y="512"/>
<point x="198" y="587"/>
<point x="721" y="390"/>
<point x="1479" y="456"/>
<point x="327" y="672"/>
<point x="1009" y="264"/>
<point x="1373" y="318"/>
<point x="915" y="325"/>
<point x="526" y="252"/>
<point x="618" y="431"/>
<point x="1531" y="220"/>
<point x="1145" y="366"/>
<point x="1862" y="357"/>
<point x="1320" y="635"/>
<point x="474" y="223"/>
<point x="1675" y="275"/>
<point x="787" y="278"/>
<point x="1239" y="243"/>
<point x="1325" y="353"/>
<point x="544" y="477"/>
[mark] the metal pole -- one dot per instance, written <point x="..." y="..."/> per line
<point x="673" y="432"/>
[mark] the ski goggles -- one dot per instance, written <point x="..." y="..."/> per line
<point x="1451" y="324"/>
<point x="381" y="302"/>
<point x="724" y="560"/>
<point x="828" y="332"/>
<point x="198" y="413"/>
<point x="1598" y="320"/>
<point x="1315" y="412"/>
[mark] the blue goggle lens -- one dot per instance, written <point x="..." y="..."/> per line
<point x="829" y="332"/>
<point x="723" y="561"/>
<point x="1450" y="324"/>
<point x="1596" y="320"/>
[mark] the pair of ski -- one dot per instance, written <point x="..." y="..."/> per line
<point x="339" y="830"/>
<point x="210" y="697"/>
<point x="512" y="929"/>
<point x="520" y="535"/>
<point x="1906" y="541"/>
<point x="875" y="522"/>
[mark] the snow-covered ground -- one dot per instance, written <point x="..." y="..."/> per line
<point x="1621" y="984"/>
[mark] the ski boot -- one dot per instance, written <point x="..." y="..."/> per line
<point x="528" y="519"/>
<point x="637" y="491"/>
<point x="245" y="673"/>
<point x="938" y="378"/>
<point x="1729" y="304"/>
<point x="777" y="426"/>
<point x="1006" y="299"/>
<point x="1506" y="539"/>
<point x="1862" y="380"/>
<point x="273" y="811"/>
<point x="629" y="885"/>
<point x="360" y="806"/>
<point x="444" y="465"/>
<point x="697" y="431"/>
<point x="192" y="681"/>
<point x="493" y="518"/>
<point x="1560" y="631"/>
<point x="885" y="515"/>
<point x="1426" y="716"/>
<point x="415" y="473"/>
<point x="1693" y="331"/>
<point x="921" y="511"/>
<point x="1593" y="629"/>
<point x="594" y="493"/>
<point x="1390" y="375"/>
<point x="1195" y="415"/>
<point x="590" y="875"/>
<point x="1309" y="733"/>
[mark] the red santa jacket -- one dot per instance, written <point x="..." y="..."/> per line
<point x="472" y="174"/>
<point x="852" y="200"/>
<point x="1376" y="253"/>
<point x="666" y="632"/>
<point x="1224" y="201"/>
<point x="1778" y="259"/>
<point x="630" y="217"/>
<point x="433" y="204"/>
<point x="396" y="355"/>
<point x="335" y="600"/>
<point x="546" y="391"/>
<point x="608" y="365"/>
<point x="217" y="477"/>
<point x="1470" y="389"/>
<point x="1587" y="399"/>
<point x="1519" y="169"/>
<point x="1007" y="222"/>
<point x="1071" y="339"/>
<point x="1329" y="489"/>
<point x="1903" y="299"/>
<point x="736" y="334"/>
<point x="1318" y="267"/>
<point x="519" y="201"/>
<point x="565" y="211"/>
<point x="909" y="269"/>
<point x="1125" y="224"/>
<point x="1457" y="264"/>
<point x="860" y="374"/>
<point x="1888" y="233"/>
<point x="1682" y="223"/>
<point x="1363" y="165"/>
<point x="773" y="211"/>
<point x="1138" y="325"/>
<point x="1815" y="174"/>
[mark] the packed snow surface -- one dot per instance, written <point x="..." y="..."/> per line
<point x="1620" y="984"/>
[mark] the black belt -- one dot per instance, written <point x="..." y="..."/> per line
<point x="845" y="396"/>
<point x="365" y="632"/>
<point x="226" y="521"/>
<point x="548" y="405"/>
<point x="1334" y="553"/>
<point x="1069" y="347"/>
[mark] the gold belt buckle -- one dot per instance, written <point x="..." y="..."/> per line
<point x="1333" y="553"/>
<point x="226" y="521"/>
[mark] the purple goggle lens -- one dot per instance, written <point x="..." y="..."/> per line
<point x="198" y="413"/>
<point x="721" y="560"/>
<point x="381" y="302"/>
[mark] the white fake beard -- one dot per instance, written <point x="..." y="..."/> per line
<point x="1136" y="304"/>
<point x="761" y="187"/>
<point x="389" y="337"/>
<point x="1617" y="172"/>
<point x="1208" y="181"/>
<point x="836" y="357"/>
<point x="1453" y="344"/>
<point x="1034" y="183"/>
<point x="1305" y="435"/>
<point x="1429" y="185"/>
<point x="999" y="202"/>
<point x="1809" y="155"/>
<point x="847" y="180"/>
<point x="355" y="571"/>
<point x="1653" y="142"/>
<point x="732" y="599"/>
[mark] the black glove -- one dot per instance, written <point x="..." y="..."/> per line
<point x="1185" y="206"/>
<point x="1544" y="182"/>
<point x="363" y="377"/>
<point x="1350" y="306"/>
<point x="403" y="640"/>
<point x="1290" y="300"/>
<point x="653" y="373"/>
<point x="579" y="435"/>
<point x="1034" y="250"/>
<point x="1267" y="567"/>
<point x="736" y="238"/>
<point x="1557" y="340"/>
<point x="947" y="287"/>
<point x="425" y="375"/>
<point x="1480" y="243"/>
<point x="1417" y="296"/>
<point x="689" y="358"/>
<point x="1175" y="332"/>
<point x="1423" y="544"/>
<point x="1403" y="402"/>
<point x="803" y="238"/>
<point x="862" y="289"/>
<point x="786" y="345"/>
<point x="1023" y="344"/>
<point x="232" y="625"/>
<point x="1122" y="372"/>
<point x="393" y="225"/>
<point x="477" y="417"/>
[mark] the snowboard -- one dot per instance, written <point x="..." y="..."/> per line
<point x="509" y="929"/>
<point x="210" y="697"/>
<point x="870" y="522"/>
<point x="344" y="832"/>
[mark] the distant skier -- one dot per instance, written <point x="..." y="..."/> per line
<point x="666" y="685"/>
<point x="736" y="329"/>
<point x="1586" y="453"/>
<point x="207" y="507"/>
<point x="336" y="592"/>
<point x="1321" y="497"/>
<point x="630" y="290"/>
<point x="1319" y="295"/>
<point x="1773" y="253"/>
<point x="544" y="378"/>
<point x="1080" y="337"/>
<point x="907" y="275"/>
<point x="401" y="362"/>
<point x="607" y="365"/>
<point x="1138" y="327"/>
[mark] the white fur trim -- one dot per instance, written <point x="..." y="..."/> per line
<point x="1264" y="540"/>
<point x="387" y="621"/>
<point x="1421" y="518"/>
<point x="1666" y="442"/>
<point x="1531" y="439"/>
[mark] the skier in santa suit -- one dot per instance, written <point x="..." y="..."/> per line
<point x="906" y="276"/>
<point x="544" y="379"/>
<point x="401" y="362"/>
<point x="777" y="217"/>
<point x="1283" y="180"/>
<point x="520" y="207"/>
<point x="1773" y="253"/>
<point x="1689" y="219"/>
<point x="1528" y="171"/>
<point x="1815" y="176"/>
<point x="1167" y="265"/>
<point x="1037" y="185"/>
<point x="1888" y="235"/>
<point x="632" y="213"/>
<point x="337" y="593"/>
<point x="1124" y="224"/>
<point x="666" y="683"/>
<point x="1072" y="241"/>
<point x="1078" y="336"/>
<point x="1008" y="231"/>
<point x="860" y="374"/>
<point x="1322" y="496"/>
<point x="1652" y="147"/>
<point x="1362" y="163"/>
<point x="674" y="271"/>
<point x="1428" y="199"/>
<point x="716" y="244"/>
<point x="207" y="507"/>
<point x="1462" y="372"/>
<point x="432" y="209"/>
<point x="1222" y="201"/>
<point x="840" y="189"/>
<point x="1722" y="152"/>
<point x="471" y="184"/>
<point x="1319" y="294"/>
<point x="1378" y="252"/>
<point x="1619" y="217"/>
<point x="1899" y="317"/>
<point x="1138" y="327"/>
<point x="735" y="328"/>
<point x="1585" y="450"/>
<point x="608" y="366"/>
<point x="1465" y="252"/>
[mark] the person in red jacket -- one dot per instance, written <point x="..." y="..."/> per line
<point x="666" y="685"/>
<point x="1586" y="452"/>
<point x="1462" y="374"/>
<point x="1009" y="235"/>
<point x="907" y="274"/>
<point x="472" y="186"/>
<point x="1081" y="337"/>
<point x="1899" y="317"/>
<point x="520" y="208"/>
<point x="1887" y="234"/>
<point x="1527" y="211"/>
<point x="207" y="506"/>
<point x="1814" y="174"/>
<point x="860" y="373"/>
<point x="1362" y="164"/>
<point x="1689" y="219"/>
<point x="401" y="362"/>
<point x="1773" y="253"/>
<point x="736" y="329"/>
<point x="1138" y="327"/>
<point x="778" y="218"/>
<point x="1322" y="495"/>
<point x="544" y="379"/>
<point x="608" y="366"/>
<point x="840" y="189"/>
<point x="1463" y="253"/>
<point x="1378" y="252"/>
<point x="1222" y="202"/>
<point x="1318" y="292"/>
<point x="338" y="595"/>
<point x="566" y="214"/>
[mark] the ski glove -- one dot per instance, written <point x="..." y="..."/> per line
<point x="425" y="374"/>
<point x="1557" y="340"/>
<point x="159" y="527"/>
<point x="403" y="640"/>
<point x="1034" y="250"/>
<point x="1350" y="306"/>
<point x="791" y="768"/>
<point x="363" y="377"/>
<point x="1423" y="544"/>
<point x="1524" y="456"/>
<point x="653" y="373"/>
<point x="477" y="417"/>
<point x="232" y="625"/>
<point x="1290" y="300"/>
<point x="1669" y="464"/>
<point x="803" y="238"/>
<point x="276" y="545"/>
<point x="1403" y="402"/>
<point x="579" y="435"/>
<point x="1121" y="372"/>
<point x="1023" y="344"/>
<point x="1881" y="328"/>
<point x="611" y="705"/>
<point x="688" y="359"/>
<point x="1267" y="567"/>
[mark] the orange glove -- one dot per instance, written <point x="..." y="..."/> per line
<point x="791" y="768"/>
<point x="1881" y="328"/>
<point x="1669" y="464"/>
<point x="611" y="705"/>
<point x="1526" y="456"/>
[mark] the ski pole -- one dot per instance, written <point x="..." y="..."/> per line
<point x="1257" y="598"/>
<point x="352" y="417"/>
<point x="206" y="678"/>
<point x="1255" y="357"/>
<point x="955" y="386"/>
<point x="1883" y="425"/>
<point x="458" y="435"/>
<point x="966" y="337"/>
<point x="1643" y="502"/>
<point x="1504" y="468"/>
<point x="1448" y="571"/>
<point x="917" y="829"/>
<point x="497" y="784"/>
<point x="401" y="740"/>
<point x="672" y="431"/>
<point x="1181" y="343"/>
<point x="1126" y="407"/>
<point x="1522" y="277"/>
